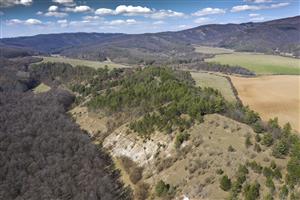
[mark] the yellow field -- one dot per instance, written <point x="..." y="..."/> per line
<point x="215" y="81"/>
<point x="89" y="63"/>
<point x="272" y="96"/>
<point x="212" y="50"/>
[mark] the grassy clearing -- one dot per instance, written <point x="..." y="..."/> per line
<point x="272" y="96"/>
<point x="89" y="63"/>
<point x="212" y="50"/>
<point x="217" y="82"/>
<point x="260" y="63"/>
<point x="41" y="88"/>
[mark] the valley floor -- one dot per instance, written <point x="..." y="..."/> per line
<point x="272" y="96"/>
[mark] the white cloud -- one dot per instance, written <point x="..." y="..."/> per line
<point x="258" y="1"/>
<point x="158" y="22"/>
<point x="209" y="11"/>
<point x="39" y="12"/>
<point x="24" y="22"/>
<point x="138" y="10"/>
<point x="9" y="3"/>
<point x="56" y="14"/>
<point x="254" y="15"/>
<point x="245" y="7"/>
<point x="183" y="26"/>
<point x="257" y="7"/>
<point x="63" y="23"/>
<point x="121" y="22"/>
<point x="89" y="18"/>
<point x="122" y="9"/>
<point x="78" y="9"/>
<point x="202" y="20"/>
<point x="279" y="5"/>
<point x="161" y="14"/>
<point x="63" y="1"/>
<point x="256" y="19"/>
<point x="32" y="22"/>
<point x="104" y="11"/>
<point x="53" y="8"/>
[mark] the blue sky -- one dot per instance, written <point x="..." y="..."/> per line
<point x="31" y="17"/>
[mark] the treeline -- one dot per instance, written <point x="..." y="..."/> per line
<point x="216" y="67"/>
<point x="14" y="74"/>
<point x="44" y="155"/>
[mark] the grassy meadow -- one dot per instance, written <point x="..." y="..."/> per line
<point x="212" y="50"/>
<point x="41" y="88"/>
<point x="215" y="81"/>
<point x="89" y="63"/>
<point x="260" y="63"/>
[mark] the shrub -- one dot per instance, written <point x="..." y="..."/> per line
<point x="284" y="192"/>
<point x="273" y="123"/>
<point x="277" y="174"/>
<point x="287" y="128"/>
<point x="269" y="197"/>
<point x="225" y="183"/>
<point x="270" y="184"/>
<point x="273" y="164"/>
<point x="257" y="127"/>
<point x="255" y="167"/>
<point x="280" y="149"/>
<point x="257" y="148"/>
<point x="267" y="172"/>
<point x="243" y="170"/>
<point x="231" y="149"/>
<point x="162" y="188"/>
<point x="248" y="142"/>
<point x="251" y="192"/>
<point x="180" y="138"/>
<point x="219" y="171"/>
<point x="267" y="139"/>
<point x="257" y="138"/>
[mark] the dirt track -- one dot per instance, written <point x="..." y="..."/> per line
<point x="272" y="96"/>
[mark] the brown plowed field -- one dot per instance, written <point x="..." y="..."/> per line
<point x="272" y="96"/>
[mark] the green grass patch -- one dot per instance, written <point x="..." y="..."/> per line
<point x="41" y="88"/>
<point x="214" y="81"/>
<point x="88" y="63"/>
<point x="260" y="63"/>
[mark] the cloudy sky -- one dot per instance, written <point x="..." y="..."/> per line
<point x="31" y="17"/>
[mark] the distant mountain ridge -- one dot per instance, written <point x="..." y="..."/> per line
<point x="282" y="35"/>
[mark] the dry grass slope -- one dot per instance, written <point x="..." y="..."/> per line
<point x="212" y="50"/>
<point x="89" y="63"/>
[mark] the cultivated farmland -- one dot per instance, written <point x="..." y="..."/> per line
<point x="272" y="96"/>
<point x="89" y="63"/>
<point x="260" y="63"/>
<point x="215" y="81"/>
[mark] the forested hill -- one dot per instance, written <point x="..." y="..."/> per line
<point x="43" y="153"/>
<point x="281" y="35"/>
<point x="275" y="36"/>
